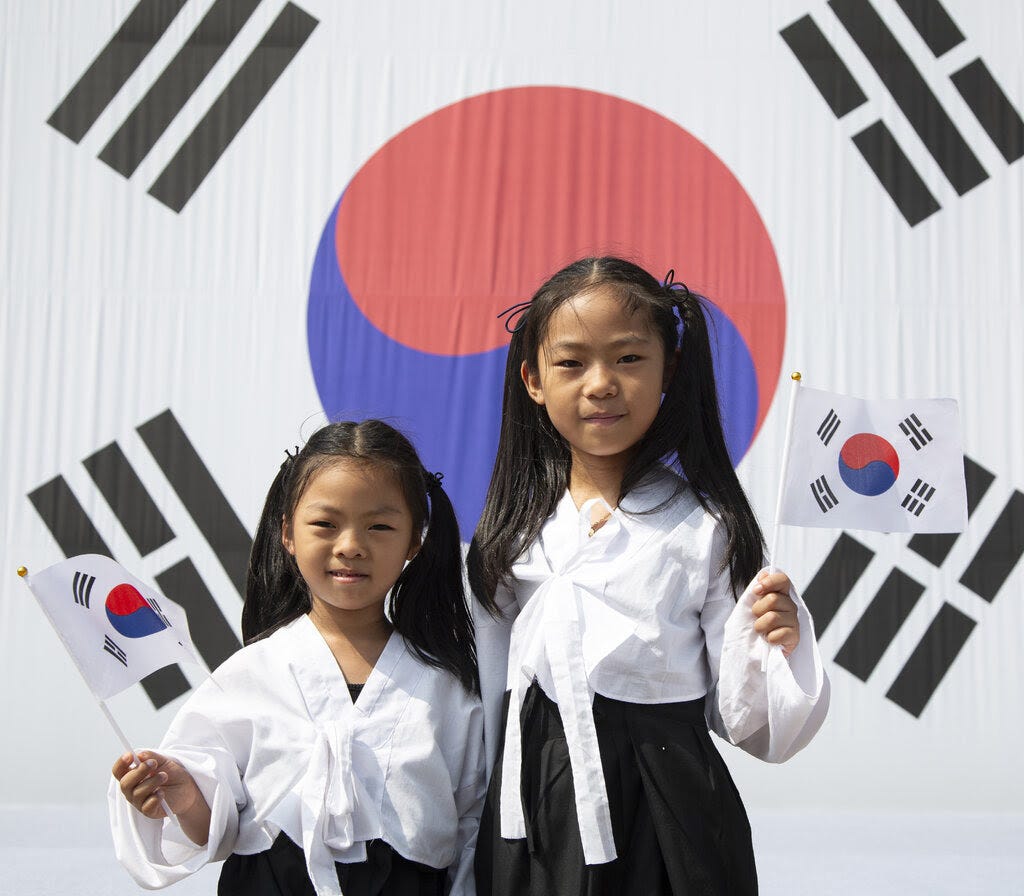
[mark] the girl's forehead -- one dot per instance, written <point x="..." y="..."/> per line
<point x="352" y="478"/>
<point x="594" y="314"/>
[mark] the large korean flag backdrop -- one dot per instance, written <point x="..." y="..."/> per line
<point x="225" y="221"/>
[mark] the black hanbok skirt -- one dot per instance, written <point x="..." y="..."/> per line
<point x="281" y="871"/>
<point x="680" y="828"/>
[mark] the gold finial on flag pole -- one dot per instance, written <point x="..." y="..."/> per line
<point x="22" y="571"/>
<point x="795" y="375"/>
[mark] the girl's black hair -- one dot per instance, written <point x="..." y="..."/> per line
<point x="531" y="471"/>
<point x="427" y="604"/>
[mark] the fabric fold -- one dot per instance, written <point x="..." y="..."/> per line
<point x="328" y="803"/>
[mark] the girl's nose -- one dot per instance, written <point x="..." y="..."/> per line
<point x="349" y="544"/>
<point x="601" y="382"/>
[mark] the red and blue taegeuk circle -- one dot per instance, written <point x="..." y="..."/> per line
<point x="470" y="209"/>
<point x="868" y="464"/>
<point x="130" y="614"/>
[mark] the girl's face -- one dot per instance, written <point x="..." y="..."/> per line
<point x="351" y="535"/>
<point x="601" y="374"/>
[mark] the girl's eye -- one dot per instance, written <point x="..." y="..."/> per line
<point x="629" y="359"/>
<point x="381" y="527"/>
<point x="323" y="524"/>
<point x="567" y="362"/>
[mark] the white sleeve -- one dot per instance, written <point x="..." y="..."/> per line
<point x="766" y="704"/>
<point x="493" y="637"/>
<point x="469" y="803"/>
<point x="156" y="852"/>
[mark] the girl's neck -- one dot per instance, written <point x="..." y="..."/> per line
<point x="356" y="638"/>
<point x="596" y="479"/>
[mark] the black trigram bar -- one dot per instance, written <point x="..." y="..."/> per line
<point x="200" y="494"/>
<point x="246" y="90"/>
<point x="893" y="169"/>
<point x="213" y="636"/>
<point x="836" y="578"/>
<point x="931" y="659"/>
<point x="914" y="430"/>
<point x="933" y="23"/>
<point x="919" y="495"/>
<point x="913" y="96"/>
<point x="110" y="646"/>
<point x="999" y="552"/>
<point x="75" y="534"/>
<point x="823" y="494"/>
<point x="115" y="64"/>
<point x="81" y="587"/>
<point x="67" y="521"/>
<point x="829" y="426"/>
<point x="152" y="601"/>
<point x="877" y="627"/>
<point x="127" y="496"/>
<point x="991" y="107"/>
<point x="150" y="118"/>
<point x="936" y="547"/>
<point x="824" y="67"/>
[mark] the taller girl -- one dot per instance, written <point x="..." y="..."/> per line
<point x="614" y="541"/>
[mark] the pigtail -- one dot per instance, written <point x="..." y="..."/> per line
<point x="428" y="602"/>
<point x="690" y="422"/>
<point x="529" y="477"/>
<point x="275" y="593"/>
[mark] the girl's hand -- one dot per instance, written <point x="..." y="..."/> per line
<point x="775" y="611"/>
<point x="157" y="776"/>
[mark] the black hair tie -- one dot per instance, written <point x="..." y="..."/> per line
<point x="515" y="316"/>
<point x="432" y="480"/>
<point x="289" y="457"/>
<point x="679" y="292"/>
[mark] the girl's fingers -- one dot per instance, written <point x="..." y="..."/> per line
<point x="136" y="778"/>
<point x="782" y="603"/>
<point x="772" y="581"/>
<point x="773" y="621"/>
<point x="151" y="807"/>
<point x="146" y="796"/>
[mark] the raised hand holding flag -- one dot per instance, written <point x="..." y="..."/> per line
<point x="117" y="629"/>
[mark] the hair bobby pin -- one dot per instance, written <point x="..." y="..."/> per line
<point x="515" y="316"/>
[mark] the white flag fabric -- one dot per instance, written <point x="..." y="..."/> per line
<point x="886" y="465"/>
<point x="116" y="628"/>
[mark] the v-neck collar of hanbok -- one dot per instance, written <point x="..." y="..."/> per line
<point x="323" y="683"/>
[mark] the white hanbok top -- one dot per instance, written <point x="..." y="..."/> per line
<point x="275" y="744"/>
<point x="639" y="612"/>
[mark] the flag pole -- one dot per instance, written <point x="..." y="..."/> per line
<point x="795" y="377"/>
<point x="23" y="574"/>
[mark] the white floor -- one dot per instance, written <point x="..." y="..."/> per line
<point x="66" y="850"/>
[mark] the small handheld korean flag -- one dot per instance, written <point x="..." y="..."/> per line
<point x="888" y="466"/>
<point x="117" y="629"/>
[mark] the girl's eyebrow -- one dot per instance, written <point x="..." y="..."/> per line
<point x="576" y="345"/>
<point x="380" y="509"/>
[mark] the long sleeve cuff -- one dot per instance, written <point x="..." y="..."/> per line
<point x="156" y="852"/>
<point x="769" y="705"/>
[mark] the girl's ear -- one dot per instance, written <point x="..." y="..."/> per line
<point x="287" y="536"/>
<point x="531" y="379"/>
<point x="670" y="370"/>
<point x="414" y="548"/>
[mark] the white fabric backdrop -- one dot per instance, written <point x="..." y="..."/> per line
<point x="116" y="308"/>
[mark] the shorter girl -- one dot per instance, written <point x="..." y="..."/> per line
<point x="341" y="749"/>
